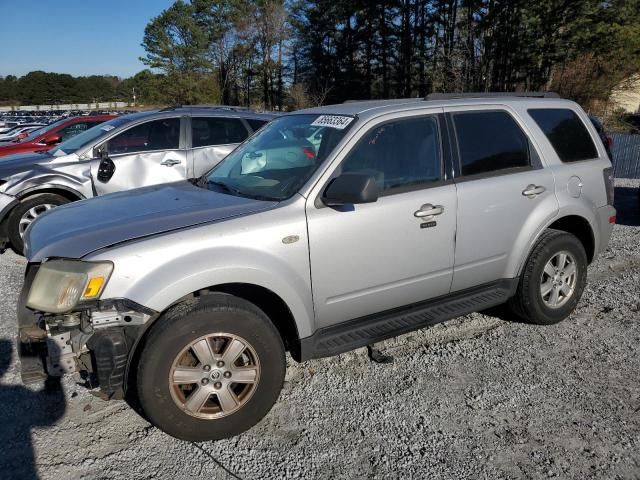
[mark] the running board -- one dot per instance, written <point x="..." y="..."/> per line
<point x="363" y="331"/>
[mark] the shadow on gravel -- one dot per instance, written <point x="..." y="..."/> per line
<point x="627" y="205"/>
<point x="22" y="409"/>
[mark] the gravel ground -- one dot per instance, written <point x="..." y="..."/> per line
<point x="477" y="397"/>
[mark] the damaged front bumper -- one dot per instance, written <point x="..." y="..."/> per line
<point x="94" y="341"/>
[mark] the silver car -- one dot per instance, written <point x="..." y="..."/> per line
<point x="187" y="295"/>
<point x="131" y="151"/>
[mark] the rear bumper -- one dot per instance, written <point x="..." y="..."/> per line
<point x="605" y="217"/>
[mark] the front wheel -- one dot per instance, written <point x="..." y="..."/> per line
<point x="212" y="371"/>
<point x="552" y="281"/>
<point x="26" y="212"/>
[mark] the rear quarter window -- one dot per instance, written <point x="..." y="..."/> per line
<point x="256" y="124"/>
<point x="566" y="133"/>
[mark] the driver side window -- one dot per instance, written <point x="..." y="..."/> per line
<point x="155" y="135"/>
<point x="402" y="155"/>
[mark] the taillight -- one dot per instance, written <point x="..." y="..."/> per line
<point x="608" y="184"/>
<point x="610" y="141"/>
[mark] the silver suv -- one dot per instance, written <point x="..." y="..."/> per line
<point x="131" y="151"/>
<point x="330" y="229"/>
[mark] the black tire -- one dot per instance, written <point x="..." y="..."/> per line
<point x="186" y="323"/>
<point x="13" y="222"/>
<point x="527" y="304"/>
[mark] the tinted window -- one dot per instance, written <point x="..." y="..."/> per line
<point x="217" y="131"/>
<point x="566" y="132"/>
<point x="74" y="129"/>
<point x="490" y="141"/>
<point x="157" y="135"/>
<point x="398" y="154"/>
<point x="256" y="124"/>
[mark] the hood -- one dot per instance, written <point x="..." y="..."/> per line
<point x="77" y="229"/>
<point x="22" y="161"/>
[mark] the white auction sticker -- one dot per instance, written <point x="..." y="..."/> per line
<point x="107" y="128"/>
<point x="339" y="122"/>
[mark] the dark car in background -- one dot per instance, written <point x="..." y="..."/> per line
<point x="46" y="138"/>
<point x="607" y="139"/>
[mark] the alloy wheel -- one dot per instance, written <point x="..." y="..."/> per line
<point x="30" y="215"/>
<point x="214" y="376"/>
<point x="558" y="280"/>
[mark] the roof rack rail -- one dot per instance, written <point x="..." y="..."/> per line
<point x="445" y="96"/>
<point x="221" y="107"/>
<point x="232" y="108"/>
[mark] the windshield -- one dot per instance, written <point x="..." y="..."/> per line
<point x="280" y="158"/>
<point x="78" y="141"/>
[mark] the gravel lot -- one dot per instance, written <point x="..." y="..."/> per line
<point x="478" y="397"/>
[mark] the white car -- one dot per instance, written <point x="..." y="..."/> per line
<point x="15" y="132"/>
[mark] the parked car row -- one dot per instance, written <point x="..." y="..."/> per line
<point x="11" y="119"/>
<point x="326" y="230"/>
<point x="19" y="132"/>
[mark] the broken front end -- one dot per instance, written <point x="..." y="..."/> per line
<point x="65" y="328"/>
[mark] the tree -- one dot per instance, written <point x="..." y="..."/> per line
<point x="177" y="44"/>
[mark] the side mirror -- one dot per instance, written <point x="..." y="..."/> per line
<point x="52" y="139"/>
<point x="351" y="188"/>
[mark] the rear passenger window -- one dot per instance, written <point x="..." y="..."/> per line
<point x="489" y="142"/>
<point x="566" y="132"/>
<point x="400" y="155"/>
<point x="217" y="131"/>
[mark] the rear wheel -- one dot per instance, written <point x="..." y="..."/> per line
<point x="552" y="281"/>
<point x="211" y="371"/>
<point x="26" y="212"/>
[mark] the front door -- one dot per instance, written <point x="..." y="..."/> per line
<point x="397" y="251"/>
<point x="148" y="153"/>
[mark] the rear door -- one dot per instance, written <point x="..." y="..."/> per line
<point x="212" y="139"/>
<point x="503" y="192"/>
<point x="147" y="153"/>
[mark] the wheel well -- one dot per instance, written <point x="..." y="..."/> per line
<point x="272" y="305"/>
<point x="579" y="227"/>
<point x="69" y="195"/>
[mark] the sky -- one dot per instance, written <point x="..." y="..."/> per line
<point x="79" y="37"/>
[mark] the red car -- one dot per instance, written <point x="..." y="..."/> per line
<point x="48" y="137"/>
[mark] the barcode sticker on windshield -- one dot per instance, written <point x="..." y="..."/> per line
<point x="107" y="128"/>
<point x="332" y="121"/>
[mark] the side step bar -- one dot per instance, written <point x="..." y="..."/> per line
<point x="364" y="331"/>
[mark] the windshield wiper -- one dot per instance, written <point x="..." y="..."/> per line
<point x="227" y="188"/>
<point x="235" y="191"/>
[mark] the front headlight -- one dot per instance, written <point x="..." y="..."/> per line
<point x="60" y="285"/>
